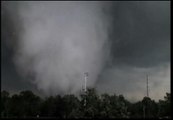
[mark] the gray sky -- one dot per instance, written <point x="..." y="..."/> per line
<point x="47" y="46"/>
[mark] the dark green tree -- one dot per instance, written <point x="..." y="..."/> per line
<point x="5" y="98"/>
<point x="91" y="109"/>
<point x="118" y="107"/>
<point x="26" y="104"/>
<point x="105" y="106"/>
<point x="123" y="107"/>
<point x="88" y="105"/>
<point x="146" y="107"/>
<point x="16" y="108"/>
<point x="31" y="103"/>
<point x="164" y="106"/>
<point x="71" y="106"/>
<point x="49" y="107"/>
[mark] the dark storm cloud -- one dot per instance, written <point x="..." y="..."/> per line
<point x="10" y="79"/>
<point x="140" y="45"/>
<point x="138" y="35"/>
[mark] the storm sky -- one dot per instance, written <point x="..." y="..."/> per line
<point x="47" y="47"/>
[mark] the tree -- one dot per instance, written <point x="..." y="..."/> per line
<point x="91" y="109"/>
<point x="49" y="107"/>
<point x="4" y="103"/>
<point x="167" y="99"/>
<point x="118" y="107"/>
<point x="165" y="106"/>
<point x="30" y="102"/>
<point x="123" y="106"/>
<point x="71" y="106"/>
<point x="105" y="106"/>
<point x="146" y="106"/>
<point x="59" y="106"/>
<point x="26" y="104"/>
<point x="15" y="106"/>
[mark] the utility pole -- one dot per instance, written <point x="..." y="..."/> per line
<point x="145" y="108"/>
<point x="148" y="102"/>
<point x="85" y="89"/>
<point x="86" y="78"/>
<point x="147" y="87"/>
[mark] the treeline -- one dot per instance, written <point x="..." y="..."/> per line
<point x="88" y="105"/>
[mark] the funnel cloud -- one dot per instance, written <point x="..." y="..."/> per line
<point x="59" y="42"/>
